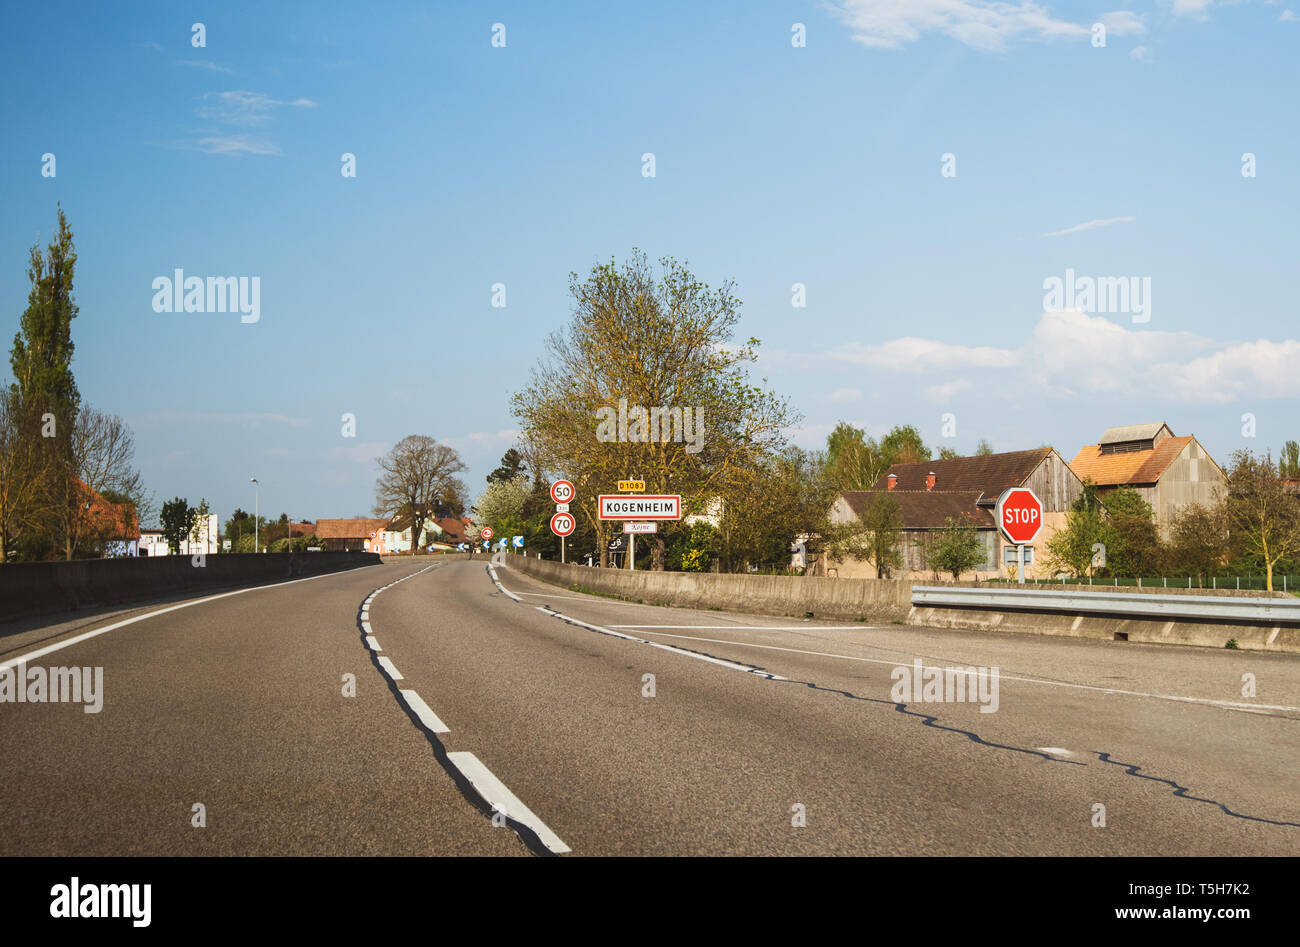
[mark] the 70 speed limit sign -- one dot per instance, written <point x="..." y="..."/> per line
<point x="562" y="524"/>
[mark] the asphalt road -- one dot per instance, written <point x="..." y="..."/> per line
<point x="497" y="715"/>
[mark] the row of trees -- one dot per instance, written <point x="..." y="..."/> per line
<point x="68" y="485"/>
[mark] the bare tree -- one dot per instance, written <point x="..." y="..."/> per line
<point x="103" y="451"/>
<point x="416" y="475"/>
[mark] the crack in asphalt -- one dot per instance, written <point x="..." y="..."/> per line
<point x="929" y="720"/>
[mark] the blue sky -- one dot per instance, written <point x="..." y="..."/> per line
<point x="775" y="165"/>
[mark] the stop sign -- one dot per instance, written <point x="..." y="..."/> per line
<point x="1020" y="515"/>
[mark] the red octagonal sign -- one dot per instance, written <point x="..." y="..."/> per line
<point x="1020" y="515"/>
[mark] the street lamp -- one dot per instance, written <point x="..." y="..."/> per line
<point x="257" y="501"/>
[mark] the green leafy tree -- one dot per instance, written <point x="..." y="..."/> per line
<point x="512" y="466"/>
<point x="1199" y="540"/>
<point x="983" y="449"/>
<point x="659" y="338"/>
<point x="903" y="445"/>
<point x="700" y="547"/>
<point x="1263" y="512"/>
<point x="178" y="519"/>
<point x="1289" y="463"/>
<point x="956" y="548"/>
<point x="1135" y="548"/>
<point x="1070" y="549"/>
<point x="788" y="496"/>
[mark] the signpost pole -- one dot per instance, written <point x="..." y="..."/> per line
<point x="1021" y="549"/>
<point x="631" y="551"/>
<point x="561" y="550"/>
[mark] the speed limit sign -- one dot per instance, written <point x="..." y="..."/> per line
<point x="486" y="533"/>
<point x="562" y="491"/>
<point x="562" y="524"/>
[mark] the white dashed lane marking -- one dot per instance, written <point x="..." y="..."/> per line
<point x="501" y="799"/>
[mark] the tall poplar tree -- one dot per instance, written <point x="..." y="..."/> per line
<point x="44" y="392"/>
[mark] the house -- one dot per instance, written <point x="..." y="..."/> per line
<point x="203" y="541"/>
<point x="451" y="530"/>
<point x="1168" y="472"/>
<point x="964" y="489"/>
<point x="354" y="534"/>
<point x="152" y="543"/>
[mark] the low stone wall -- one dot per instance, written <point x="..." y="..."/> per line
<point x="891" y="600"/>
<point x="41" y="588"/>
<point x="846" y="599"/>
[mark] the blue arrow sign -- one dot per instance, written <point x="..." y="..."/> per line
<point x="517" y="542"/>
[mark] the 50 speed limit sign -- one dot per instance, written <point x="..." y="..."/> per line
<point x="562" y="491"/>
<point x="562" y="524"/>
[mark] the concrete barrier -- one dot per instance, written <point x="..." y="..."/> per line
<point x="891" y="600"/>
<point x="42" y="588"/>
<point x="797" y="596"/>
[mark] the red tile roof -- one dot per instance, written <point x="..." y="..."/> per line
<point x="926" y="509"/>
<point x="990" y="473"/>
<point x="356" y="528"/>
<point x="1132" y="468"/>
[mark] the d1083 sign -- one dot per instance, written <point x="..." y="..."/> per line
<point x="1020" y="515"/>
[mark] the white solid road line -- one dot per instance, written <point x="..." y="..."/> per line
<point x="50" y="649"/>
<point x="748" y="668"/>
<point x="390" y="669"/>
<point x="497" y="582"/>
<point x="1230" y="704"/>
<point x="372" y="644"/>
<point x="497" y="795"/>
<point x="854" y="627"/>
<point x="423" y="711"/>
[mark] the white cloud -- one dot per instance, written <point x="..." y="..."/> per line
<point x="911" y="354"/>
<point x="1287" y="17"/>
<point x="1141" y="53"/>
<point x="1123" y="23"/>
<point x="945" y="392"/>
<point x="241" y="107"/>
<point x="1194" y="8"/>
<point x="844" y="396"/>
<point x="986" y="25"/>
<point x="237" y="144"/>
<point x="1090" y="225"/>
<point x="1074" y="355"/>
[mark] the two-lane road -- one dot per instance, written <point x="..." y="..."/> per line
<point x="606" y="727"/>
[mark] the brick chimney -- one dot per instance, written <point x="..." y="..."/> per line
<point x="929" y="480"/>
<point x="893" y="481"/>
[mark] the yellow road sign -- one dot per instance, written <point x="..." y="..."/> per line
<point x="631" y="486"/>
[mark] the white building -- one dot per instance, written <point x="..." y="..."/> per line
<point x="202" y="541"/>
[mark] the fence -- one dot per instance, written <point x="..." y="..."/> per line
<point x="1281" y="582"/>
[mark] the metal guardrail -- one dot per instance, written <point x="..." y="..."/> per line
<point x="1278" y="611"/>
